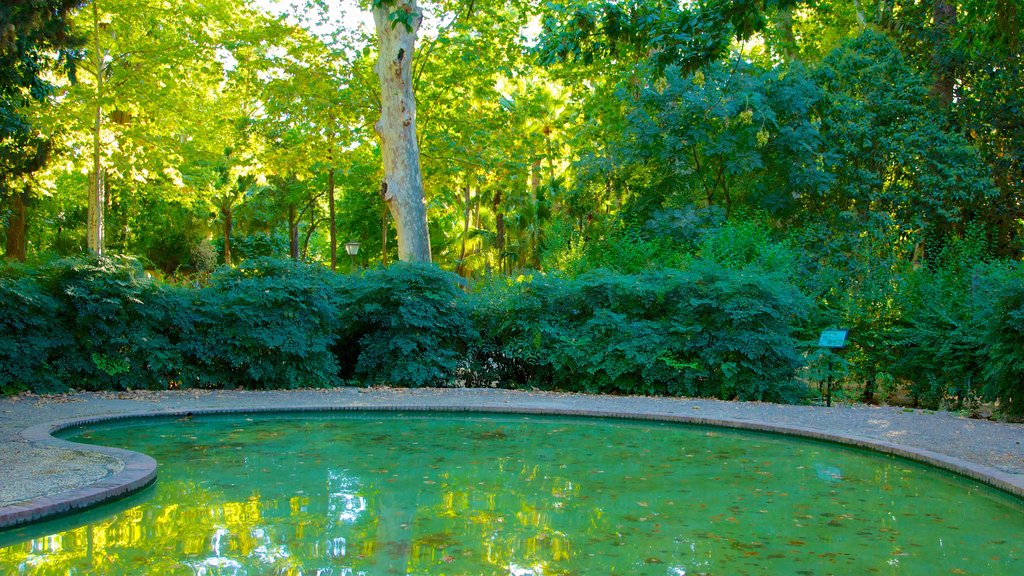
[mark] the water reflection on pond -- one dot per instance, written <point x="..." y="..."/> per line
<point x="372" y="493"/>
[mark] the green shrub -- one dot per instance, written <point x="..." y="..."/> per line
<point x="117" y="317"/>
<point x="620" y="250"/>
<point x="103" y="324"/>
<point x="741" y="325"/>
<point x="265" y="324"/>
<point x="34" y="335"/>
<point x="1004" y="339"/>
<point x="936" y="345"/>
<point x="746" y="243"/>
<point x="513" y="316"/>
<point x="407" y="325"/>
<point x="707" y="331"/>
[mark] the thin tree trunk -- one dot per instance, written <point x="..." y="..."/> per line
<point x="117" y="213"/>
<point x="466" y="197"/>
<point x="333" y="222"/>
<point x="476" y="220"/>
<point x="402" y="188"/>
<point x="226" y="211"/>
<point x="309" y="234"/>
<point x="551" y="168"/>
<point x="535" y="204"/>
<point x="499" y="240"/>
<point x="1008" y="25"/>
<point x="293" y="232"/>
<point x="943" y="67"/>
<point x="17" y="246"/>
<point x="97" y="200"/>
<point x="95" y="233"/>
<point x="883" y="16"/>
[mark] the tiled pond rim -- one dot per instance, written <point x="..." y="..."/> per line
<point x="139" y="470"/>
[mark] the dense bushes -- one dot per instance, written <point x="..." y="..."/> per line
<point x="706" y="331"/>
<point x="32" y="340"/>
<point x="89" y="324"/>
<point x="105" y="324"/>
<point x="408" y="325"/>
<point x="267" y="324"/>
<point x="947" y="334"/>
<point x="1004" y="350"/>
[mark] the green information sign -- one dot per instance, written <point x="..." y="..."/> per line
<point x="833" y="339"/>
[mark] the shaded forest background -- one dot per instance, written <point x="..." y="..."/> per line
<point x="865" y="154"/>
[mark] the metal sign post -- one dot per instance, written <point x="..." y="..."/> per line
<point x="833" y="340"/>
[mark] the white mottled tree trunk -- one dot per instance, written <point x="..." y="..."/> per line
<point x="402" y="189"/>
<point x="97" y="184"/>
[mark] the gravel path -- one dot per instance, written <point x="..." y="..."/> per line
<point x="29" y="471"/>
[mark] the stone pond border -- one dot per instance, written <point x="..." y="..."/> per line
<point x="140" y="470"/>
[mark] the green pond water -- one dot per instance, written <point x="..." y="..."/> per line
<point x="350" y="494"/>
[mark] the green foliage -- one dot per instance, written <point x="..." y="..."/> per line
<point x="624" y="251"/>
<point x="407" y="325"/>
<point x="666" y="33"/>
<point x="265" y="324"/>
<point x="937" y="344"/>
<point x="964" y="334"/>
<point x="886" y="149"/>
<point x="255" y="246"/>
<point x="87" y="323"/>
<point x="741" y="244"/>
<point x="35" y="37"/>
<point x="117" y="315"/>
<point x="35" y="338"/>
<point x="730" y="134"/>
<point x="706" y="331"/>
<point x="1004" y="354"/>
<point x="280" y="324"/>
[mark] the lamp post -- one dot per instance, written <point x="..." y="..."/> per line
<point x="352" y="248"/>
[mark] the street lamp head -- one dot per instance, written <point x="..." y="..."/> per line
<point x="352" y="248"/>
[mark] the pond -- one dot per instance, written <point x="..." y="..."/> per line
<point x="368" y="493"/>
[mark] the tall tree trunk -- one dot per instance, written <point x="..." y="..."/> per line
<point x="554" y="198"/>
<point x="402" y="189"/>
<point x="309" y="234"/>
<point x="97" y="185"/>
<point x="226" y="211"/>
<point x="333" y="222"/>
<point x="476" y="214"/>
<point x="95" y="232"/>
<point x="17" y="246"/>
<point x="499" y="239"/>
<point x="535" y="203"/>
<point x="943" y="66"/>
<point x="466" y="198"/>
<point x="293" y="232"/>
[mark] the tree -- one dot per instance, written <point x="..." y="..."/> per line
<point x="318" y="103"/>
<point x="34" y="36"/>
<point x="397" y="22"/>
<point x="155" y="112"/>
<point x="97" y="179"/>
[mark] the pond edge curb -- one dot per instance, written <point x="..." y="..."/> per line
<point x="140" y="469"/>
